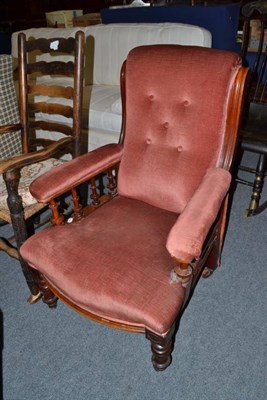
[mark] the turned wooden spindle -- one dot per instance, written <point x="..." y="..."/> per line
<point x="49" y="297"/>
<point x="112" y="183"/>
<point x="76" y="205"/>
<point x="95" y="195"/>
<point x="57" y="218"/>
<point x="14" y="201"/>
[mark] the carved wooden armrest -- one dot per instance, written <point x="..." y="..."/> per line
<point x="66" y="177"/>
<point x="31" y="158"/>
<point x="9" y="128"/>
<point x="187" y="236"/>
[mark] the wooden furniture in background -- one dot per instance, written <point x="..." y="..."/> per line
<point x="25" y="154"/>
<point x="254" y="124"/>
<point x="18" y="15"/>
<point x="87" y="19"/>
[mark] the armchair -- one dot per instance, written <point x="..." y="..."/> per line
<point x="131" y="258"/>
<point x="24" y="154"/>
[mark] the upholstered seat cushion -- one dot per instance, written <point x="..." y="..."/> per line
<point x="126" y="275"/>
<point x="28" y="174"/>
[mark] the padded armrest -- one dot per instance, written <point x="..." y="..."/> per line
<point x="187" y="236"/>
<point x="65" y="177"/>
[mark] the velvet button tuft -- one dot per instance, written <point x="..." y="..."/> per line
<point x="166" y="125"/>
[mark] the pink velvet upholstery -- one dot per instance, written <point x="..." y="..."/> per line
<point x="126" y="274"/>
<point x="172" y="137"/>
<point x="187" y="236"/>
<point x="116" y="262"/>
<point x="58" y="180"/>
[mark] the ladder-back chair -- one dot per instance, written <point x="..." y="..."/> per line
<point x="31" y="141"/>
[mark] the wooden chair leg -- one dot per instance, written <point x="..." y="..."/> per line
<point x="213" y="260"/>
<point x="49" y="297"/>
<point x="257" y="186"/>
<point x="14" y="201"/>
<point x="161" y="349"/>
<point x="31" y="280"/>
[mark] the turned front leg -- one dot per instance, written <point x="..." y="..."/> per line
<point x="15" y="205"/>
<point x="161" y="349"/>
<point x="257" y="186"/>
<point x="49" y="297"/>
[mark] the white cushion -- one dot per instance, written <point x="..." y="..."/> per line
<point x="98" y="138"/>
<point x="98" y="105"/>
<point x="107" y="46"/>
<point x="116" y="107"/>
<point x="113" y="42"/>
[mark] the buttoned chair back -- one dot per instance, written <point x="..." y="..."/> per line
<point x="165" y="130"/>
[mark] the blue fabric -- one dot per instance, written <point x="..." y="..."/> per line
<point x="221" y="20"/>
